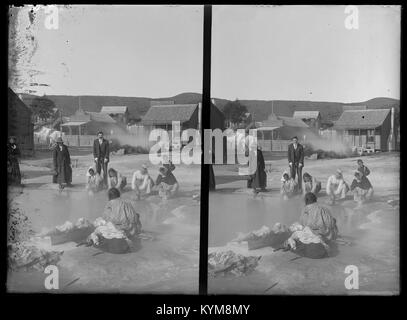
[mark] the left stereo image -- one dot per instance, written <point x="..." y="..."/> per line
<point x="104" y="149"/>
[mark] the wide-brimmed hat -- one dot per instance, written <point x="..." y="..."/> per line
<point x="59" y="139"/>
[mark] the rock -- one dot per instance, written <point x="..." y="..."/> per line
<point x="313" y="156"/>
<point x="119" y="152"/>
<point x="394" y="202"/>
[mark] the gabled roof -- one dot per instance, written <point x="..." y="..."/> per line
<point x="361" y="119"/>
<point x="165" y="114"/>
<point x="280" y="121"/>
<point x="293" y="122"/>
<point x="113" y="109"/>
<point x="306" y="114"/>
<point x="14" y="99"/>
<point x="100" y="117"/>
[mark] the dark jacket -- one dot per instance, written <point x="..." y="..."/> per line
<point x="101" y="151"/>
<point x="364" y="184"/>
<point x="296" y="156"/>
<point x="364" y="171"/>
<point x="62" y="165"/>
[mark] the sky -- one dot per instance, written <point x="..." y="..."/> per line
<point x="144" y="51"/>
<point x="258" y="52"/>
<point x="305" y="53"/>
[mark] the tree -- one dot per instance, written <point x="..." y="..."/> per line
<point x="234" y="111"/>
<point x="42" y="108"/>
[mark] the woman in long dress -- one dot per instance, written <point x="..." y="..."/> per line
<point x="62" y="164"/>
<point x="258" y="180"/>
<point x="13" y="167"/>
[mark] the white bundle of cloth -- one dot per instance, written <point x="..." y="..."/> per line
<point x="106" y="230"/>
<point x="306" y="236"/>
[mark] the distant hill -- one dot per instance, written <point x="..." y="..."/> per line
<point x="260" y="109"/>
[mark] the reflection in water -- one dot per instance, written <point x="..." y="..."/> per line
<point x="233" y="213"/>
<point x="230" y="214"/>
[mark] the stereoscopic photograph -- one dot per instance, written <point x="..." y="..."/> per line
<point x="309" y="202"/>
<point x="115" y="112"/>
<point x="101" y="101"/>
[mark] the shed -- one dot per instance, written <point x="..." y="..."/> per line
<point x="118" y="113"/>
<point x="20" y="123"/>
<point x="368" y="128"/>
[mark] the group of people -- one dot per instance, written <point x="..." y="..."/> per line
<point x="142" y="183"/>
<point x="99" y="176"/>
<point x="293" y="182"/>
<point x="337" y="188"/>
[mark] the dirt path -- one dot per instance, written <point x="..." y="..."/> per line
<point x="372" y="229"/>
<point x="167" y="264"/>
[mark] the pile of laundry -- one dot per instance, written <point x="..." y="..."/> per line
<point x="265" y="237"/>
<point x="231" y="263"/>
<point x="69" y="231"/>
<point x="105" y="229"/>
<point x="306" y="243"/>
<point x="296" y="238"/>
<point x="26" y="257"/>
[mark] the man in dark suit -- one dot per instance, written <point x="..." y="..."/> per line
<point x="101" y="155"/>
<point x="296" y="160"/>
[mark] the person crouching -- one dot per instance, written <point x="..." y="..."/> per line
<point x="115" y="179"/>
<point x="166" y="183"/>
<point x="361" y="188"/>
<point x="119" y="227"/>
<point x="288" y="186"/>
<point x="336" y="187"/>
<point x="310" y="184"/>
<point x="94" y="181"/>
<point x="142" y="183"/>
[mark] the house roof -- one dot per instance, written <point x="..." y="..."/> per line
<point x="361" y="119"/>
<point x="275" y="122"/>
<point x="113" y="109"/>
<point x="293" y="122"/>
<point x="74" y="123"/>
<point x="100" y="117"/>
<point x="165" y="114"/>
<point x="306" y="114"/>
<point x="14" y="98"/>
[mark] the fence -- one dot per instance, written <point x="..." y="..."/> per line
<point x="136" y="136"/>
<point x="273" y="145"/>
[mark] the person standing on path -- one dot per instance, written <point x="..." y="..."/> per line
<point x="296" y="160"/>
<point x="101" y="155"/>
<point x="62" y="164"/>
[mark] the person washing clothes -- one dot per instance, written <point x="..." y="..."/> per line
<point x="336" y="187"/>
<point x="361" y="188"/>
<point x="142" y="183"/>
<point x="362" y="168"/>
<point x="115" y="179"/>
<point x="288" y="186"/>
<point x="166" y="183"/>
<point x="310" y="184"/>
<point x="94" y="181"/>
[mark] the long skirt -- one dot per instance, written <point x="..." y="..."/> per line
<point x="259" y="179"/>
<point x="14" y="174"/>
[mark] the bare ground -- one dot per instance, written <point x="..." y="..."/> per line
<point x="372" y="230"/>
<point x="167" y="264"/>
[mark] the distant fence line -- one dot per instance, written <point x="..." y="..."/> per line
<point x="137" y="136"/>
<point x="273" y="145"/>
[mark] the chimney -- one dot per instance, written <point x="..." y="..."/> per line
<point x="392" y="138"/>
<point x="199" y="116"/>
